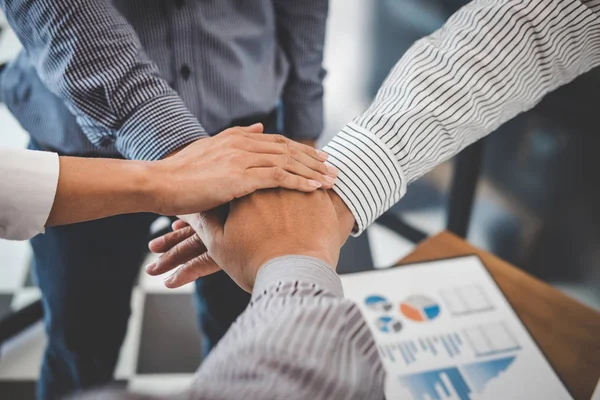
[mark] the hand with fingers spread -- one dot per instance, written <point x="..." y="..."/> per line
<point x="255" y="229"/>
<point x="184" y="251"/>
<point x="234" y="163"/>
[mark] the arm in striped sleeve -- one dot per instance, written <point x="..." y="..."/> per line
<point x="86" y="53"/>
<point x="492" y="60"/>
<point x="298" y="339"/>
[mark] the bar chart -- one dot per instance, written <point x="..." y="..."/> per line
<point x="459" y="383"/>
<point x="481" y="373"/>
<point x="423" y="349"/>
<point x="446" y="383"/>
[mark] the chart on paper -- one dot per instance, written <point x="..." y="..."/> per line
<point x="445" y="331"/>
<point x="462" y="383"/>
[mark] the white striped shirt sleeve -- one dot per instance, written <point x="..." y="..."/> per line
<point x="492" y="60"/>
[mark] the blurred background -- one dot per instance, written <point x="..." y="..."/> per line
<point x="537" y="202"/>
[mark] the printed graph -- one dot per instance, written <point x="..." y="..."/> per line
<point x="439" y="384"/>
<point x="388" y="325"/>
<point x="378" y="303"/>
<point x="450" y="383"/>
<point x="420" y="308"/>
<point x="423" y="349"/>
<point x="466" y="300"/>
<point x="480" y="374"/>
<point x="490" y="339"/>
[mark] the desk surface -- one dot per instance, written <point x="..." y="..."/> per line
<point x="567" y="331"/>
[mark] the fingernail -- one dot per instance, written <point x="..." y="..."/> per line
<point x="329" y="180"/>
<point x="331" y="170"/>
<point x="322" y="155"/>
<point x="314" y="184"/>
<point x="159" y="241"/>
<point x="150" y="267"/>
<point x="169" y="279"/>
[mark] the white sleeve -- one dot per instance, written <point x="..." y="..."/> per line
<point x="492" y="60"/>
<point x="28" y="182"/>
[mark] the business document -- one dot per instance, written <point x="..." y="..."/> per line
<point x="444" y="330"/>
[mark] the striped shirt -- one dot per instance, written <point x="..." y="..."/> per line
<point x="144" y="77"/>
<point x="492" y="60"/>
<point x="298" y="339"/>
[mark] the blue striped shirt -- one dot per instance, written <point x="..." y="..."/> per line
<point x="144" y="77"/>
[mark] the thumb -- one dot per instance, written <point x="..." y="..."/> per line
<point x="256" y="128"/>
<point x="193" y="220"/>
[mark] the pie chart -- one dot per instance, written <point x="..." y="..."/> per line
<point x="378" y="303"/>
<point x="388" y="325"/>
<point x="420" y="308"/>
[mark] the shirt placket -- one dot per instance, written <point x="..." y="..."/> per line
<point x="187" y="84"/>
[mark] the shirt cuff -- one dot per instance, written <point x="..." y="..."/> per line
<point x="370" y="179"/>
<point x="30" y="185"/>
<point x="303" y="121"/>
<point x="158" y="128"/>
<point x="297" y="268"/>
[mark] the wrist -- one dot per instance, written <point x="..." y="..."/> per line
<point x="345" y="217"/>
<point x="154" y="186"/>
<point x="330" y="258"/>
<point x="95" y="188"/>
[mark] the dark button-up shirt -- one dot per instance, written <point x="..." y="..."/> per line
<point x="144" y="77"/>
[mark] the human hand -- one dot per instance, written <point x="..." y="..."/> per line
<point x="259" y="227"/>
<point x="238" y="161"/>
<point x="308" y="142"/>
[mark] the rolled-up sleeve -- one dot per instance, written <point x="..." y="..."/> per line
<point x="28" y="182"/>
<point x="86" y="53"/>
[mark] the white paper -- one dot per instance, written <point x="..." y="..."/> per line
<point x="596" y="394"/>
<point x="445" y="331"/>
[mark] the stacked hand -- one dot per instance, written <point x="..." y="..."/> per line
<point x="232" y="164"/>
<point x="241" y="237"/>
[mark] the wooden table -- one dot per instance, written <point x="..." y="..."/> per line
<point x="567" y="331"/>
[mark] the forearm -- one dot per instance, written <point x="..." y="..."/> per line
<point x="299" y="338"/>
<point x="91" y="188"/>
<point x="491" y="61"/>
<point x="301" y="28"/>
<point x="86" y="53"/>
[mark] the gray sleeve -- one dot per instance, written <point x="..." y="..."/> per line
<point x="298" y="339"/>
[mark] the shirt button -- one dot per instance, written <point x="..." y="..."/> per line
<point x="179" y="3"/>
<point x="185" y="71"/>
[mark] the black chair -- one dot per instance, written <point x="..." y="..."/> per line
<point x="467" y="170"/>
